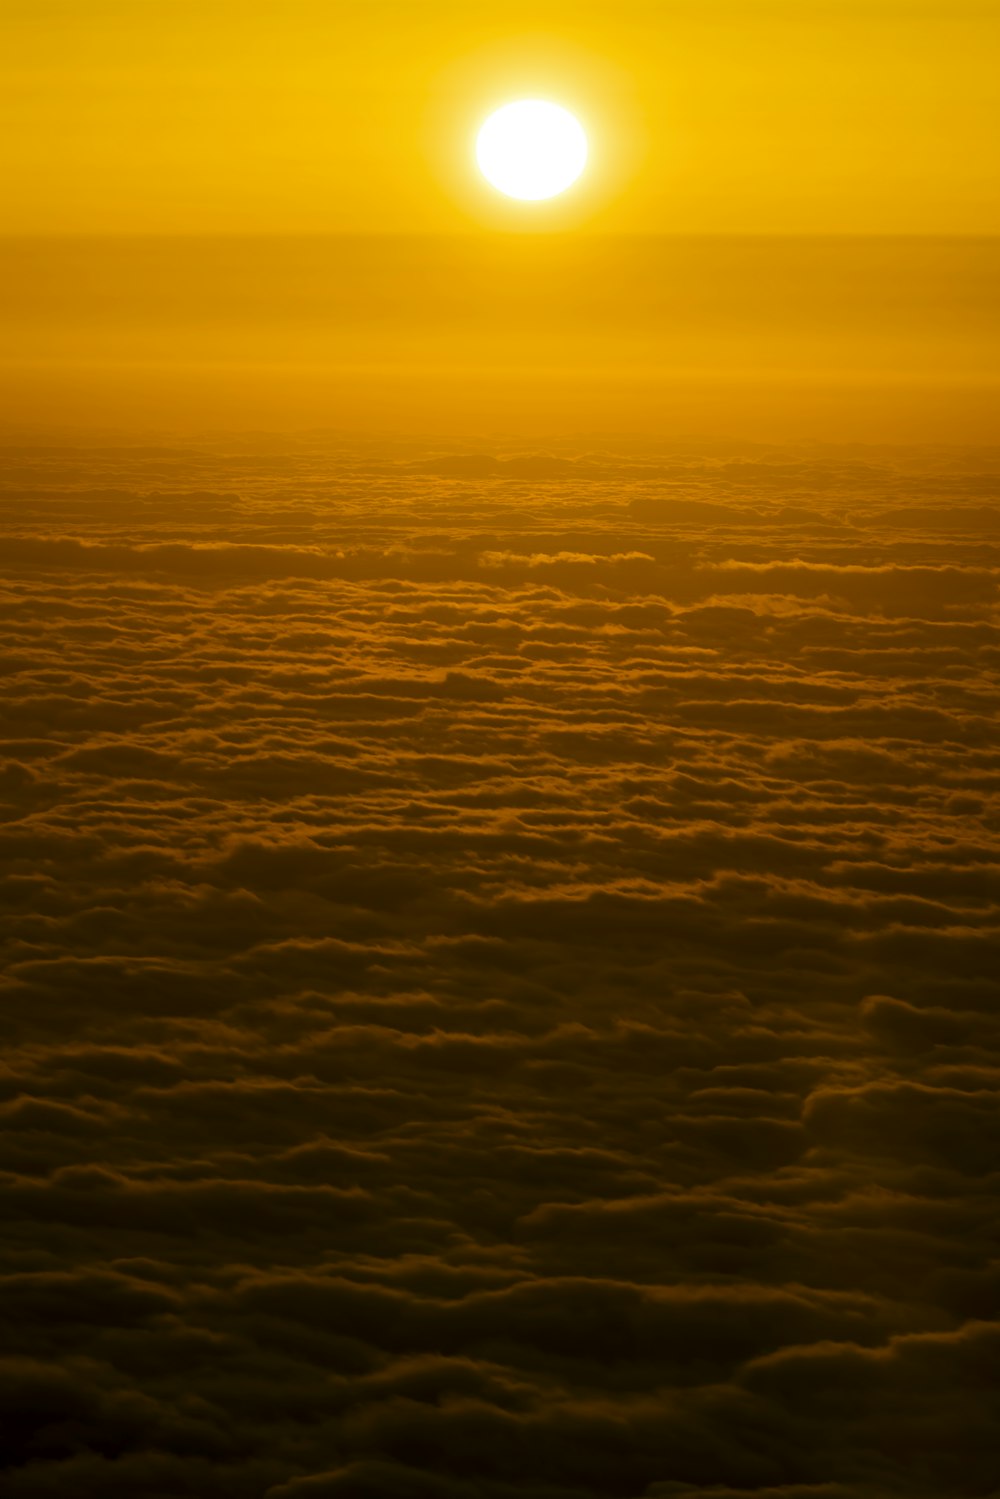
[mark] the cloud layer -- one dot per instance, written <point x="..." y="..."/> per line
<point x="500" y="973"/>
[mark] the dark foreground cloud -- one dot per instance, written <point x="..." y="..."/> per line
<point x="500" y="963"/>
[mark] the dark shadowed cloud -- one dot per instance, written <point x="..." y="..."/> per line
<point x="500" y="961"/>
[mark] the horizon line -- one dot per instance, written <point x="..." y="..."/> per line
<point x="518" y="234"/>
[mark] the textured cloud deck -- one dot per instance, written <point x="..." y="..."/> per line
<point x="501" y="957"/>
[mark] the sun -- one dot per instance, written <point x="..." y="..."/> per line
<point x="531" y="149"/>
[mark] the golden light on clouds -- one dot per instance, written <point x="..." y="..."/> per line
<point x="499" y="628"/>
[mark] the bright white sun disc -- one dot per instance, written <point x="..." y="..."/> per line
<point x="531" y="149"/>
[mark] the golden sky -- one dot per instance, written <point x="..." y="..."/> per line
<point x="783" y="116"/>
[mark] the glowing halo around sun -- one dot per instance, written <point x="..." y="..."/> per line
<point x="531" y="149"/>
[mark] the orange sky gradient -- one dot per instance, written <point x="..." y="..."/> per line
<point x="241" y="214"/>
<point x="705" y="116"/>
